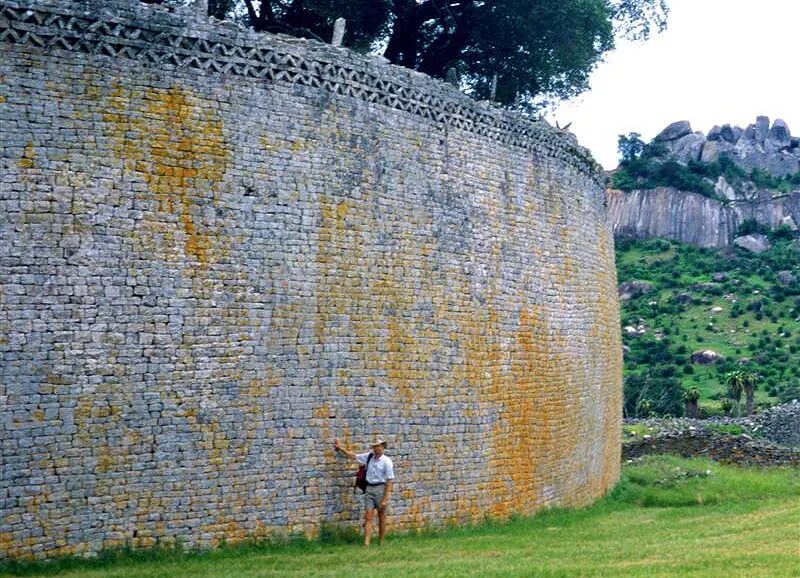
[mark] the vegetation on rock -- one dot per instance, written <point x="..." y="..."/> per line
<point x="731" y="302"/>
<point x="651" y="165"/>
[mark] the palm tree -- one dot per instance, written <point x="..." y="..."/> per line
<point x="735" y="381"/>
<point x="749" y="383"/>
<point x="690" y="398"/>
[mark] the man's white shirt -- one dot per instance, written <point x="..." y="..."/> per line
<point x="379" y="470"/>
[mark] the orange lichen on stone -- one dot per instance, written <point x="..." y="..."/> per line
<point x="607" y="346"/>
<point x="28" y="159"/>
<point x="178" y="147"/>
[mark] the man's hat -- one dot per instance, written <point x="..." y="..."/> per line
<point x="378" y="442"/>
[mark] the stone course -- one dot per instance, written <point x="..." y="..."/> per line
<point x="220" y="250"/>
<point x="781" y="424"/>
<point x="771" y="438"/>
<point x="725" y="448"/>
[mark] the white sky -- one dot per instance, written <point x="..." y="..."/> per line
<point x="719" y="61"/>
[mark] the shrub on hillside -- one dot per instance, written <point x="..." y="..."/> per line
<point x="663" y="394"/>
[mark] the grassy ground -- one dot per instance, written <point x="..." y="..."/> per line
<point x="667" y="517"/>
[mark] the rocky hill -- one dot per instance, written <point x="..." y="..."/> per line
<point x="701" y="189"/>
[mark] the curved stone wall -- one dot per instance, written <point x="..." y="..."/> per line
<point x="219" y="251"/>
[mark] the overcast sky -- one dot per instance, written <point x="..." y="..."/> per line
<point x="719" y="61"/>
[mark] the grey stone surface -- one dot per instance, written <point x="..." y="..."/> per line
<point x="671" y="214"/>
<point x="755" y="243"/>
<point x="705" y="357"/>
<point x="631" y="289"/>
<point x="789" y="222"/>
<point x="686" y="148"/>
<point x="730" y="133"/>
<point x="710" y="151"/>
<point x="674" y="131"/>
<point x="779" y="137"/>
<point x="781" y="424"/>
<point x="761" y="129"/>
<point x="219" y="250"/>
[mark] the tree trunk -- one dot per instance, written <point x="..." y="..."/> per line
<point x="261" y="18"/>
<point x="402" y="46"/>
<point x="444" y="50"/>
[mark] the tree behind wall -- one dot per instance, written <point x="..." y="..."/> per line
<point x="537" y="50"/>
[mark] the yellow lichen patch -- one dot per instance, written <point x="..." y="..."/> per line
<point x="260" y="388"/>
<point x="341" y="213"/>
<point x="105" y="462"/>
<point x="607" y="346"/>
<point x="178" y="147"/>
<point x="8" y="544"/>
<point x="399" y="369"/>
<point x="536" y="426"/>
<point x="324" y="419"/>
<point x="2" y="99"/>
<point x="28" y="159"/>
<point x="268" y="146"/>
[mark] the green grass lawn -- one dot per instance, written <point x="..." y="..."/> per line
<point x="667" y="517"/>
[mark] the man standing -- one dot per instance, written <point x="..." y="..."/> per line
<point x="380" y="478"/>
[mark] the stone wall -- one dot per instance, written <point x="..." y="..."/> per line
<point x="729" y="449"/>
<point x="781" y="424"/>
<point x="219" y="251"/>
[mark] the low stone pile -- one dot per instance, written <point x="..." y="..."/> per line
<point x="771" y="438"/>
<point x="781" y="424"/>
<point x="733" y="449"/>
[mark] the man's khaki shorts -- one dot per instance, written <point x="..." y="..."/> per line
<point x="373" y="496"/>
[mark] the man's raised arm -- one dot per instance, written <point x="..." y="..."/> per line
<point x="342" y="450"/>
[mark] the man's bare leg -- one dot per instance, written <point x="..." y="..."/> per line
<point x="368" y="526"/>
<point x="381" y="525"/>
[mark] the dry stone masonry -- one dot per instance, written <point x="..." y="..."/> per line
<point x="220" y="250"/>
<point x="772" y="438"/>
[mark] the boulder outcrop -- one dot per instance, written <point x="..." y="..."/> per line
<point x="762" y="146"/>
<point x="755" y="243"/>
<point x="712" y="220"/>
<point x="631" y="289"/>
<point x="706" y="357"/>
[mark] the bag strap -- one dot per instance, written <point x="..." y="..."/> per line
<point x="366" y="466"/>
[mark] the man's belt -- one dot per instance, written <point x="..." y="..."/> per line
<point x="378" y="484"/>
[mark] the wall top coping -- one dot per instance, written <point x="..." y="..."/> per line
<point x="173" y="39"/>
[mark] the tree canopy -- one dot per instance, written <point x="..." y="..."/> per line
<point x="521" y="52"/>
